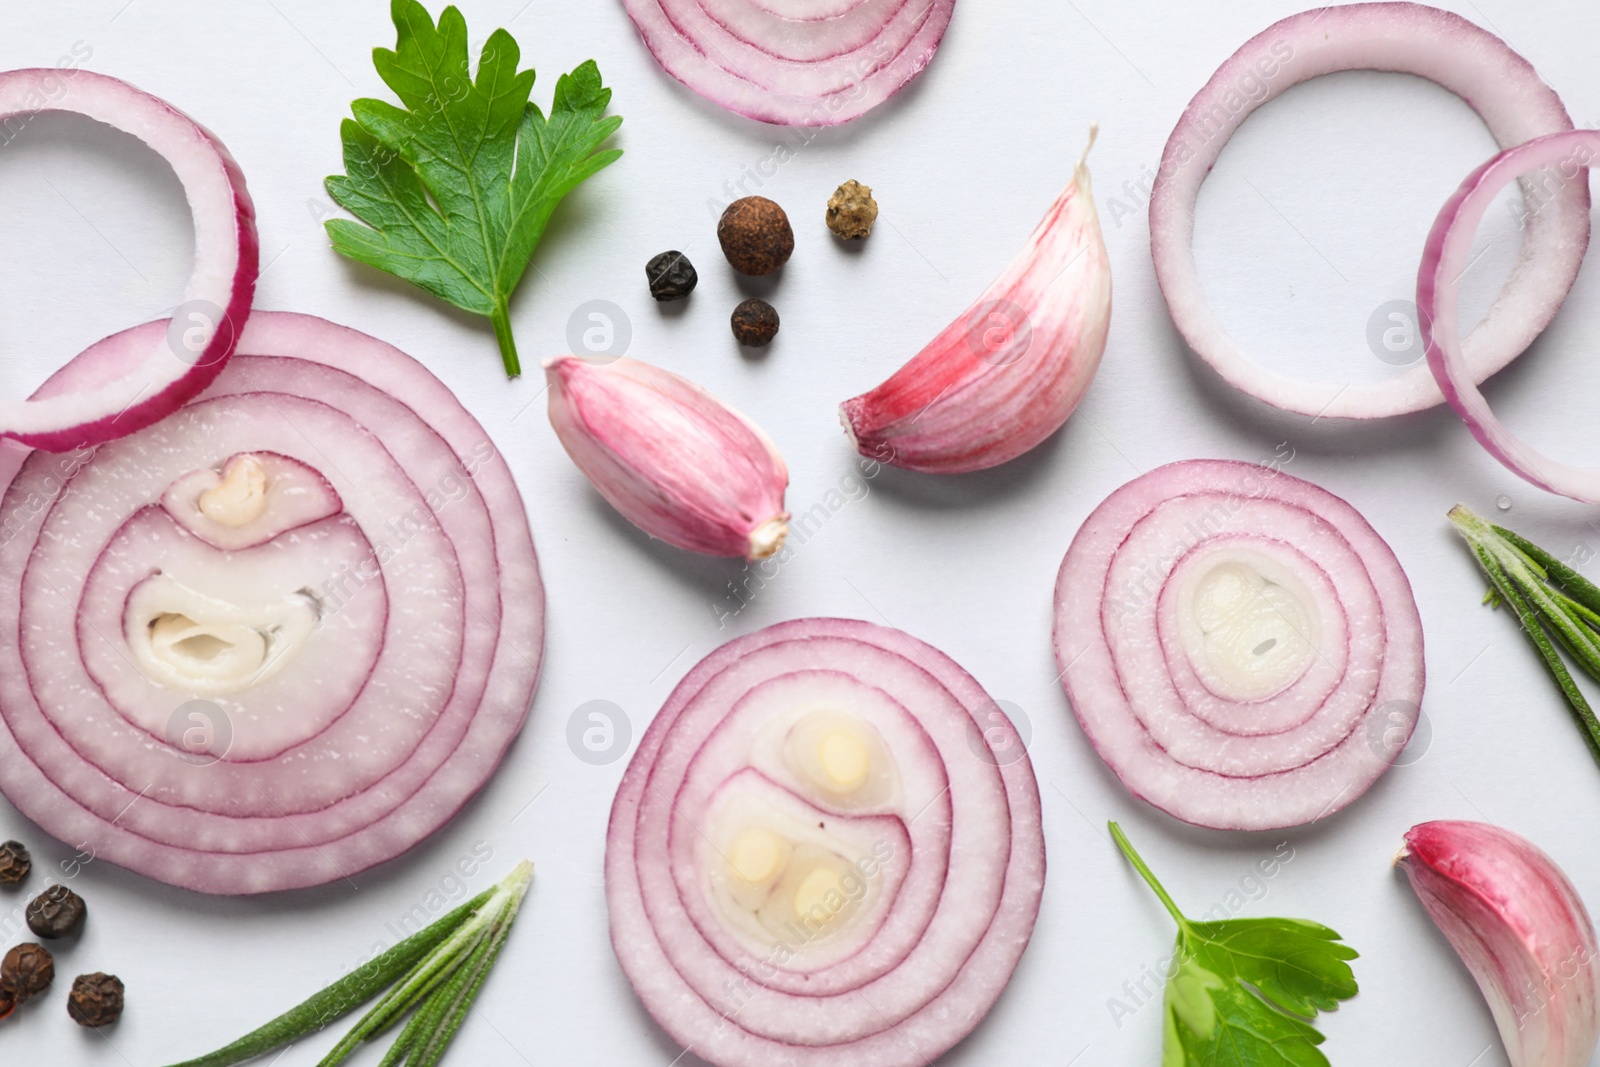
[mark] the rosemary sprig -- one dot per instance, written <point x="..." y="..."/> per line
<point x="1554" y="604"/>
<point x="434" y="975"/>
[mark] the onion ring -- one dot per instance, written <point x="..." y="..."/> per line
<point x="409" y="617"/>
<point x="1507" y="93"/>
<point x="1240" y="647"/>
<point x="819" y="856"/>
<point x="1438" y="302"/>
<point x="216" y="301"/>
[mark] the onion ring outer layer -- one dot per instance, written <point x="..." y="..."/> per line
<point x="1507" y="93"/>
<point x="190" y="354"/>
<point x="1570" y="154"/>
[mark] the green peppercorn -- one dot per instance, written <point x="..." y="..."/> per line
<point x="15" y="863"/>
<point x="95" y="1000"/>
<point x="852" y="211"/>
<point x="57" y="912"/>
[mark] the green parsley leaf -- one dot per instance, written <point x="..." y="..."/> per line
<point x="1244" y="989"/>
<point x="1249" y="1032"/>
<point x="456" y="187"/>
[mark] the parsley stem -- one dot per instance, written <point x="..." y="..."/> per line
<point x="1144" y="872"/>
<point x="501" y="317"/>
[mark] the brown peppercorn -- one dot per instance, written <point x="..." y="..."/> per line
<point x="755" y="235"/>
<point x="755" y="323"/>
<point x="95" y="1000"/>
<point x="852" y="211"/>
<point x="15" y="863"/>
<point x="57" y="912"/>
<point x="8" y="1003"/>
<point x="27" y="971"/>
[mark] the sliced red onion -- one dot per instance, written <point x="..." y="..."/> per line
<point x="1570" y="155"/>
<point x="1507" y="93"/>
<point x="817" y="856"/>
<point x="1240" y="646"/>
<point x="178" y="362"/>
<point x="308" y="699"/>
<point x="789" y="62"/>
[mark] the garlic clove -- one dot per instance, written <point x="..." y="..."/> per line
<point x="1520" y="927"/>
<point x="672" y="458"/>
<point x="1005" y="375"/>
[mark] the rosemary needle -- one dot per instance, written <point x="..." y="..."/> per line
<point x="1553" y="602"/>
<point x="434" y="975"/>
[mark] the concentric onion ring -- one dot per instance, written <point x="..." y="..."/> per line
<point x="1439" y="292"/>
<point x="817" y="856"/>
<point x="180" y="363"/>
<point x="789" y="63"/>
<point x="1508" y="94"/>
<point x="312" y="699"/>
<point x="1240" y="646"/>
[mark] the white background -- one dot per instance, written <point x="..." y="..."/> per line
<point x="1314" y="218"/>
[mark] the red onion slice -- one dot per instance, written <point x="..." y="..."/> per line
<point x="1241" y="647"/>
<point x="1507" y="93"/>
<point x="824" y="745"/>
<point x="416" y="477"/>
<point x="793" y="64"/>
<point x="418" y="578"/>
<point x="180" y="362"/>
<point x="1439" y="293"/>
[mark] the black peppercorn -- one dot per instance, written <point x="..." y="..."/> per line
<point x="95" y="1000"/>
<point x="755" y="235"/>
<point x="27" y="971"/>
<point x="755" y="323"/>
<point x="15" y="863"/>
<point x="57" y="912"/>
<point x="671" y="276"/>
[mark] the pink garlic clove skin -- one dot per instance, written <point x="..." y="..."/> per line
<point x="1521" y="929"/>
<point x="1005" y="375"/>
<point x="673" y="459"/>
